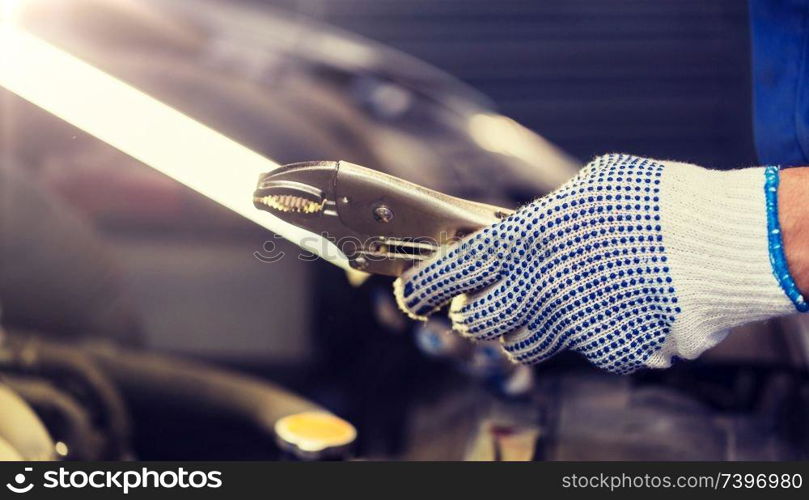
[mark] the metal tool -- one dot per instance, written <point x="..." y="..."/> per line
<point x="382" y="224"/>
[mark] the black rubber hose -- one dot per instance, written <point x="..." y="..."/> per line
<point x="209" y="390"/>
<point x="62" y="364"/>
<point x="67" y="419"/>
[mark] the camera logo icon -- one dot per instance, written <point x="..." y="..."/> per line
<point x="20" y="485"/>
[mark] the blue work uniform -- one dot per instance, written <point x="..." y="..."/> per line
<point x="780" y="36"/>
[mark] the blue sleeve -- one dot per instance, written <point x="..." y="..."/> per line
<point x="780" y="36"/>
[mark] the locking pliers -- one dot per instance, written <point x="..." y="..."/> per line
<point x="382" y="224"/>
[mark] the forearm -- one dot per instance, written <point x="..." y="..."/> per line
<point x="793" y="214"/>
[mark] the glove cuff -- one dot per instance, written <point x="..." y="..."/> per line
<point x="719" y="250"/>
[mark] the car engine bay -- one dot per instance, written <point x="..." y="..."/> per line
<point x="141" y="320"/>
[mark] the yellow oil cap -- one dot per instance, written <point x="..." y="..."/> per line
<point x="315" y="435"/>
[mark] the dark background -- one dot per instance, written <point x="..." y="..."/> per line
<point x="661" y="78"/>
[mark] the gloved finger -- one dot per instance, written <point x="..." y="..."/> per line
<point x="490" y="313"/>
<point x="541" y="340"/>
<point x="470" y="265"/>
<point x="531" y="345"/>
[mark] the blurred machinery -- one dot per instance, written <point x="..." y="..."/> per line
<point x="139" y="316"/>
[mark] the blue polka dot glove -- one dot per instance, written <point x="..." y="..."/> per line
<point x="632" y="262"/>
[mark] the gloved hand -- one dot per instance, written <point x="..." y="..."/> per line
<point x="632" y="262"/>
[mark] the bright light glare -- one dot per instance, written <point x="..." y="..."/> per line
<point x="9" y="10"/>
<point x="145" y="129"/>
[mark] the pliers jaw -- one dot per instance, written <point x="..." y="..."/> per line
<point x="381" y="223"/>
<point x="302" y="188"/>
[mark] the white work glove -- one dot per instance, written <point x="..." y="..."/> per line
<point x="631" y="263"/>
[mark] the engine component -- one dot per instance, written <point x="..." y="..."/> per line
<point x="21" y="430"/>
<point x="70" y="367"/>
<point x="209" y="390"/>
<point x="315" y="435"/>
<point x="69" y="422"/>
